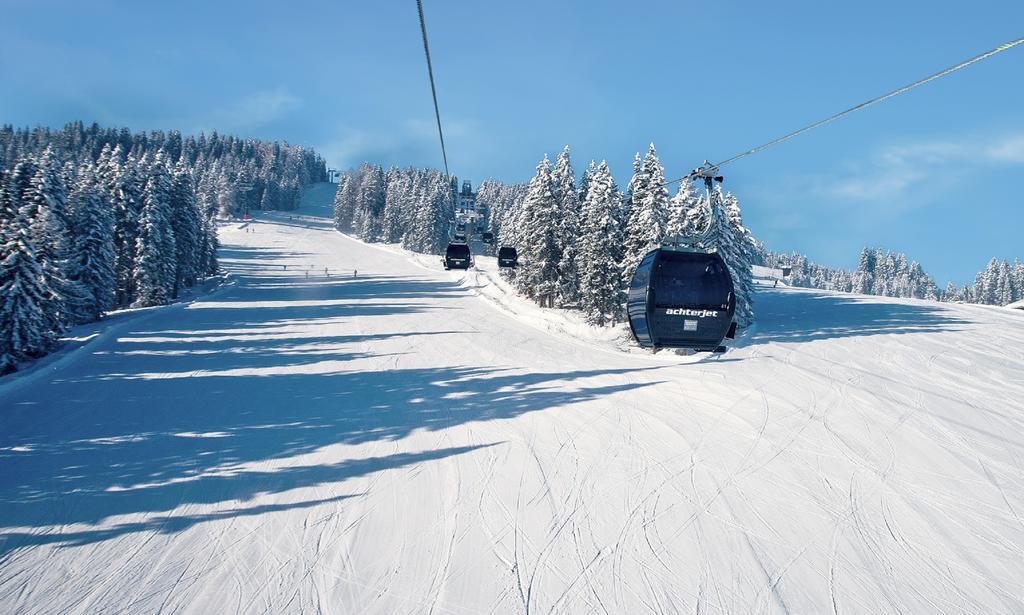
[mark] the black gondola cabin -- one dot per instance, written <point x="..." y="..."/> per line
<point x="508" y="257"/>
<point x="457" y="256"/>
<point x="681" y="299"/>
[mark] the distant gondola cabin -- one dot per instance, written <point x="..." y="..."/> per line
<point x="507" y="257"/>
<point x="457" y="256"/>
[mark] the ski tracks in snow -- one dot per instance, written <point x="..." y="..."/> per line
<point x="859" y="467"/>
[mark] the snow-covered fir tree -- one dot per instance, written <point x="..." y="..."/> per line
<point x="1018" y="280"/>
<point x="53" y="242"/>
<point x="370" y="200"/>
<point x="187" y="227"/>
<point x="636" y="186"/>
<point x="502" y="201"/>
<point x="584" y="184"/>
<point x="600" y="273"/>
<point x="719" y="224"/>
<point x="346" y="199"/>
<point x="564" y="189"/>
<point x="428" y="232"/>
<point x="740" y="259"/>
<point x="396" y="192"/>
<point x="155" y="269"/>
<point x="864" y="278"/>
<point x="92" y="261"/>
<point x="648" y="212"/>
<point x="538" y="275"/>
<point x="508" y="216"/>
<point x="119" y="177"/>
<point x="26" y="328"/>
<point x="680" y="207"/>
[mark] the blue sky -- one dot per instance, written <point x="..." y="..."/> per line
<point x="935" y="173"/>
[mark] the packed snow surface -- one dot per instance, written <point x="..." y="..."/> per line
<point x="415" y="441"/>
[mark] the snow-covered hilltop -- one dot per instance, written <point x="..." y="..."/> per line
<point x="304" y="439"/>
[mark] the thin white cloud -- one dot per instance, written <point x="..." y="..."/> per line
<point x="896" y="172"/>
<point x="251" y="112"/>
<point x="1010" y="149"/>
<point x="353" y="147"/>
<point x="922" y="153"/>
<point x="879" y="184"/>
<point x="411" y="139"/>
<point x="453" y="129"/>
<point x="264" y="107"/>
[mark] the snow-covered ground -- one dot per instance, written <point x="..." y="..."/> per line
<point x="414" y="440"/>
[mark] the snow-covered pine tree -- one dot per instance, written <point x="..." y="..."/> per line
<point x="698" y="219"/>
<point x="1018" y="280"/>
<point x="396" y="186"/>
<point x="1003" y="284"/>
<point x="118" y="176"/>
<point x="510" y="230"/>
<point x="885" y="274"/>
<point x="230" y="202"/>
<point x="442" y="212"/>
<point x="563" y="187"/>
<point x="924" y="285"/>
<point x="92" y="261"/>
<point x="409" y="205"/>
<point x="155" y="267"/>
<point x="25" y="325"/>
<point x="369" y="206"/>
<point x="206" y="195"/>
<point x="637" y="185"/>
<point x="740" y="258"/>
<point x="503" y="202"/>
<point x="648" y="213"/>
<point x="842" y="281"/>
<point x="601" y="292"/>
<point x="901" y="284"/>
<point x="864" y="277"/>
<point x="952" y="293"/>
<point x="720" y="225"/>
<point x="7" y="209"/>
<point x="539" y="254"/>
<point x="428" y="232"/>
<point x="986" y="284"/>
<point x="211" y="245"/>
<point x="19" y="184"/>
<point x="270" y="195"/>
<point x="187" y="228"/>
<point x="340" y="205"/>
<point x="347" y="198"/>
<point x="53" y="242"/>
<point x="584" y="184"/>
<point x="679" y="209"/>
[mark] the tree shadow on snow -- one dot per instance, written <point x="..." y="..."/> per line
<point x="156" y="424"/>
<point x="805" y="316"/>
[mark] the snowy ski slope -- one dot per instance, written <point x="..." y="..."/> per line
<point x="409" y="442"/>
